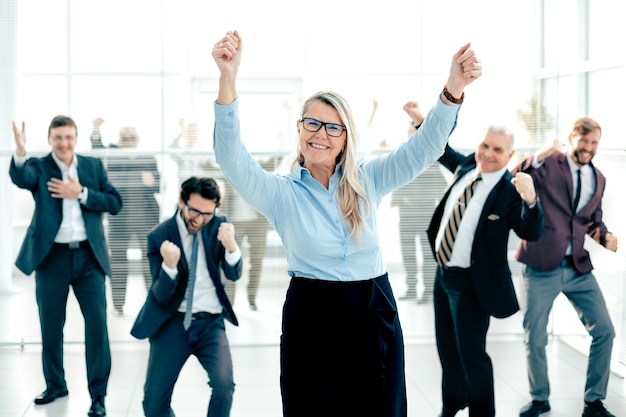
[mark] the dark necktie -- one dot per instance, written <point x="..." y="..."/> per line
<point x="191" y="280"/>
<point x="578" y="187"/>
<point x="452" y="227"/>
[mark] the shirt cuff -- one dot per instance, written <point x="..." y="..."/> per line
<point x="535" y="164"/>
<point x="83" y="195"/>
<point x="171" y="272"/>
<point x="233" y="258"/>
<point x="19" y="160"/>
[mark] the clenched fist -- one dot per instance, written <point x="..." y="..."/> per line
<point x="525" y="187"/>
<point x="170" y="253"/>
<point x="226" y="235"/>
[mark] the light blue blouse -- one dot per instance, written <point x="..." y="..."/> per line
<point x="305" y="214"/>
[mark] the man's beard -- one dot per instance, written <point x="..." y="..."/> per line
<point x="579" y="162"/>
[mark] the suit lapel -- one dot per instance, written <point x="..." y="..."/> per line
<point x="55" y="172"/>
<point x="208" y="240"/>
<point x="174" y="237"/>
<point x="491" y="198"/>
<point x="567" y="174"/>
<point x="597" y="193"/>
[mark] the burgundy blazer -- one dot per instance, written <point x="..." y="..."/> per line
<point x="554" y="185"/>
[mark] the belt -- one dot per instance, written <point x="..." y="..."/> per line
<point x="71" y="245"/>
<point x="455" y="270"/>
<point x="200" y="315"/>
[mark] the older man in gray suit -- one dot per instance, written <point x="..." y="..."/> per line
<point x="570" y="189"/>
<point x="65" y="246"/>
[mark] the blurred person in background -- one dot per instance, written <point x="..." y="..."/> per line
<point x="416" y="202"/>
<point x="137" y="179"/>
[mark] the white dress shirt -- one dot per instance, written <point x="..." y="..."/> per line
<point x="462" y="249"/>
<point x="204" y="292"/>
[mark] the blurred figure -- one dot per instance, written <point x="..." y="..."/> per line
<point x="65" y="246"/>
<point x="137" y="179"/>
<point x="185" y="309"/>
<point x="416" y="202"/>
<point x="252" y="227"/>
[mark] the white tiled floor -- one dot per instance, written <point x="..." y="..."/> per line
<point x="256" y="360"/>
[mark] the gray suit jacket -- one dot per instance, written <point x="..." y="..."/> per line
<point x="102" y="197"/>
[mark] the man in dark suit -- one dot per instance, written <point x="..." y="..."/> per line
<point x="570" y="188"/>
<point x="137" y="179"/>
<point x="473" y="280"/>
<point x="65" y="245"/>
<point x="186" y="306"/>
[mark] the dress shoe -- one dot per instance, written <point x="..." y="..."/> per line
<point x="596" y="409"/>
<point x="97" y="407"/>
<point x="534" y="408"/>
<point x="253" y="307"/>
<point x="48" y="396"/>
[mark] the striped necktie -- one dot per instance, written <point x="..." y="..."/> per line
<point x="191" y="280"/>
<point x="444" y="253"/>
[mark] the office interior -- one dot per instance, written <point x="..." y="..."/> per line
<point x="148" y="65"/>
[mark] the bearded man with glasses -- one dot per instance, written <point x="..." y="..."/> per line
<point x="186" y="306"/>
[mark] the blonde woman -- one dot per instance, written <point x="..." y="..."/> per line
<point x="342" y="350"/>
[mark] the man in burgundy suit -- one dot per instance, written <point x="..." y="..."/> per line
<point x="570" y="189"/>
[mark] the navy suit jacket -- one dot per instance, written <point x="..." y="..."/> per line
<point x="554" y="183"/>
<point x="166" y="294"/>
<point x="102" y="197"/>
<point x="504" y="210"/>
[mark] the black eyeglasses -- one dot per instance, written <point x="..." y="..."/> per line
<point x="313" y="125"/>
<point x="193" y="213"/>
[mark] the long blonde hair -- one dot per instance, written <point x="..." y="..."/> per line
<point x="350" y="193"/>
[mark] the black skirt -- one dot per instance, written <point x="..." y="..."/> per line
<point x="342" y="350"/>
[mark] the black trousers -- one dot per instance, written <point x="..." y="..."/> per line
<point x="342" y="350"/>
<point x="78" y="268"/>
<point x="461" y="326"/>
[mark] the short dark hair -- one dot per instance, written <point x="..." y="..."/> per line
<point x="206" y="187"/>
<point x="62" y="120"/>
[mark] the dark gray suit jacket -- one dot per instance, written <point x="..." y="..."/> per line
<point x="166" y="294"/>
<point x="102" y="197"/>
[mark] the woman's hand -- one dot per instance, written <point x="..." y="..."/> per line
<point x="464" y="69"/>
<point x="227" y="55"/>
